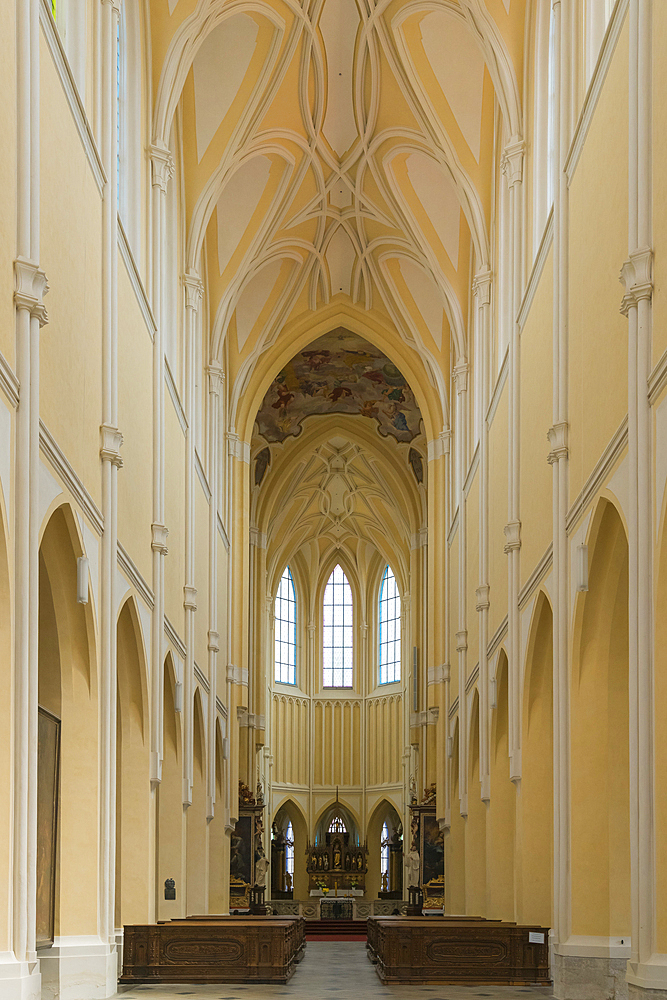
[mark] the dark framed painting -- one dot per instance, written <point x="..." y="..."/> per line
<point x="48" y="788"/>
<point x="432" y="857"/>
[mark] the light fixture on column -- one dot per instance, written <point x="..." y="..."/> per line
<point x="582" y="568"/>
<point x="82" y="580"/>
<point x="178" y="696"/>
<point x="450" y="746"/>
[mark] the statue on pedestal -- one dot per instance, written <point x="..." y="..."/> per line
<point x="412" y="867"/>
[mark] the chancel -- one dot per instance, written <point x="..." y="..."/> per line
<point x="333" y="497"/>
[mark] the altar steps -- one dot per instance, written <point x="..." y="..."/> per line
<point x="335" y="930"/>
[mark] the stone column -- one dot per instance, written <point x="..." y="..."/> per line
<point x="482" y="292"/>
<point x="461" y="384"/>
<point x="162" y="169"/>
<point x="513" y="170"/>
<point x="646" y="969"/>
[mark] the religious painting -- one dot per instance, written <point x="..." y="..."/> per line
<point x="339" y="373"/>
<point x="432" y="857"/>
<point x="48" y="787"/>
<point x="241" y="852"/>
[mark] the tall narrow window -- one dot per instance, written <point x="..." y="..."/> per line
<point x="390" y="629"/>
<point x="337" y="825"/>
<point x="285" y="630"/>
<point x="384" y="857"/>
<point x="337" y="632"/>
<point x="289" y="851"/>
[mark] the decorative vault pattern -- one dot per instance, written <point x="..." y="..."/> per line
<point x="335" y="152"/>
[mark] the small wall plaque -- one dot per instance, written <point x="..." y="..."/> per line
<point x="169" y="888"/>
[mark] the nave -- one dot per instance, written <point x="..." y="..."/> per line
<point x="338" y="969"/>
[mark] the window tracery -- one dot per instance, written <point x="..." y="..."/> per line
<point x="285" y="630"/>
<point x="390" y="629"/>
<point x="337" y="631"/>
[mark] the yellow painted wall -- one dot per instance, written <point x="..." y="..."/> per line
<point x="598" y="333"/>
<point x="71" y="345"/>
<point x="135" y="420"/>
<point x="7" y="169"/>
<point x="498" y="513"/>
<point x="659" y="167"/>
<point x="174" y="513"/>
<point x="536" y="418"/>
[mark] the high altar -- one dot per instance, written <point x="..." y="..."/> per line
<point x="336" y="863"/>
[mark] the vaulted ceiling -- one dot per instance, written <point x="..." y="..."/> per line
<point x="338" y="156"/>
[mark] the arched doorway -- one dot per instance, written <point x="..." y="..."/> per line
<point x="133" y="857"/>
<point x="536" y="791"/>
<point x="600" y="737"/>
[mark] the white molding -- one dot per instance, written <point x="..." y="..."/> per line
<point x="593" y="946"/>
<point x="498" y="388"/>
<point x="533" y="581"/>
<point x="174" y="638"/>
<point x="473" y="677"/>
<point x="451" y="534"/>
<point x="471" y="471"/>
<point x="202" y="477"/>
<point x="657" y="380"/>
<point x="497" y="637"/>
<point x="223" y="533"/>
<point x="9" y="383"/>
<point x="536" y="273"/>
<point x="454" y="708"/>
<point x="202" y="679"/>
<point x="129" y="569"/>
<point x="607" y="49"/>
<point x="135" y="280"/>
<point x="175" y="398"/>
<point x="65" y="472"/>
<point x="222" y="709"/>
<point x="70" y="88"/>
<point x="600" y="473"/>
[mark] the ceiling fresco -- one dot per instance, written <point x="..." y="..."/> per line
<point x="339" y="373"/>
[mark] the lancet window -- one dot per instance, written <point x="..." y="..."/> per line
<point x="390" y="629"/>
<point x="289" y="850"/>
<point x="384" y="856"/>
<point x="285" y="630"/>
<point x="337" y="631"/>
<point x="337" y="825"/>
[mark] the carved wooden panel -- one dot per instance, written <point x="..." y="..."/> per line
<point x="214" y="949"/>
<point x="454" y="950"/>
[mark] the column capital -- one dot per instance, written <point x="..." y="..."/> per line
<point x="162" y="163"/>
<point x="258" y="538"/>
<point x="194" y="289"/>
<point x="439" y="446"/>
<point x="557" y="437"/>
<point x="159" y="538"/>
<point x="30" y="287"/>
<point x="512" y="163"/>
<point x="190" y="598"/>
<point x="213" y="641"/>
<point x="460" y="376"/>
<point x="637" y="278"/>
<point x="111" y="440"/>
<point x="482" y="595"/>
<point x="462" y="641"/>
<point x="439" y="674"/>
<point x="216" y="378"/>
<point x="481" y="285"/>
<point x="512" y="531"/>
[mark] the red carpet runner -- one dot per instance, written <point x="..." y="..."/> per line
<point x="335" y="930"/>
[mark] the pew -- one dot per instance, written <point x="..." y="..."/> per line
<point x="451" y="950"/>
<point x="213" y="949"/>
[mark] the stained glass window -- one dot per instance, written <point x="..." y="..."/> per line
<point x="337" y="825"/>
<point x="384" y="853"/>
<point x="285" y="630"/>
<point x="337" y="631"/>
<point x="390" y="629"/>
<point x="289" y="850"/>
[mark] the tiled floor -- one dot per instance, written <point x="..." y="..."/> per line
<point x="334" y="970"/>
